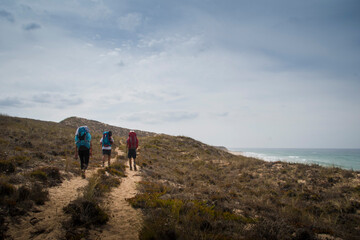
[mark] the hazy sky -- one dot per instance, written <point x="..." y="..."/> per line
<point x="232" y="73"/>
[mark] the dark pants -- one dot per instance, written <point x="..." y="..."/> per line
<point x="84" y="156"/>
<point x="132" y="153"/>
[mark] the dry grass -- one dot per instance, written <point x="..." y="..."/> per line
<point x="36" y="155"/>
<point x="190" y="190"/>
<point x="194" y="191"/>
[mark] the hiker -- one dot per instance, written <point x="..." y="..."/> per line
<point x="106" y="142"/>
<point x="132" y="144"/>
<point x="83" y="147"/>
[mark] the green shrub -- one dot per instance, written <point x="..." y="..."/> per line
<point x="48" y="175"/>
<point x="86" y="213"/>
<point x="117" y="169"/>
<point x="7" y="166"/>
<point x="6" y="189"/>
<point x="75" y="234"/>
<point x="20" y="160"/>
<point x="39" y="175"/>
<point x="115" y="172"/>
<point x="53" y="175"/>
<point x="271" y="229"/>
<point x="357" y="189"/>
<point x="159" y="226"/>
<point x="106" y="183"/>
<point x="3" y="227"/>
<point x="23" y="193"/>
<point x="38" y="194"/>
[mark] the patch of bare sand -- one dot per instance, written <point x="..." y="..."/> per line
<point x="125" y="222"/>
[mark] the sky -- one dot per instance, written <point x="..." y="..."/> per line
<point x="241" y="73"/>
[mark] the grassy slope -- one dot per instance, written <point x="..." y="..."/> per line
<point x="35" y="155"/>
<point x="195" y="191"/>
<point x="101" y="127"/>
<point x="190" y="190"/>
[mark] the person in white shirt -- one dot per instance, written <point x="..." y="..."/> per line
<point x="106" y="142"/>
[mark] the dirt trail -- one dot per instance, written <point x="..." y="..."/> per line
<point x="125" y="222"/>
<point x="45" y="223"/>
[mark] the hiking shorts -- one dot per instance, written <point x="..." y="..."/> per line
<point x="106" y="152"/>
<point x="132" y="153"/>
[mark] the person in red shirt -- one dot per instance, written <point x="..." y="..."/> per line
<point x="132" y="144"/>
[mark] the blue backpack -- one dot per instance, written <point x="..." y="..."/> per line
<point x="106" y="142"/>
<point x="82" y="138"/>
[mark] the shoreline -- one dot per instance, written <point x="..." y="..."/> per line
<point x="339" y="158"/>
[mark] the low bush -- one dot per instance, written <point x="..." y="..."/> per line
<point x="117" y="169"/>
<point x="20" y="160"/>
<point x="24" y="194"/>
<point x="48" y="175"/>
<point x="7" y="166"/>
<point x="39" y="194"/>
<point x="6" y="189"/>
<point x="39" y="175"/>
<point x="86" y="213"/>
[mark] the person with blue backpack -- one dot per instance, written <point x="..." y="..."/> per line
<point x="106" y="142"/>
<point x="83" y="147"/>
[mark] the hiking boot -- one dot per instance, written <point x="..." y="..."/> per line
<point x="130" y="168"/>
<point x="135" y="168"/>
<point x="83" y="174"/>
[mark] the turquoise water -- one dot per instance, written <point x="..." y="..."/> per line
<point x="343" y="158"/>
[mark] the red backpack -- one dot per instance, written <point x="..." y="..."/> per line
<point x="132" y="141"/>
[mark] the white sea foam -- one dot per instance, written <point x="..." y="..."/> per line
<point x="261" y="156"/>
<point x="344" y="158"/>
<point x="272" y="158"/>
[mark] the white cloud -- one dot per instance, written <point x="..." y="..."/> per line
<point x="130" y="21"/>
<point x="159" y="117"/>
<point x="218" y="79"/>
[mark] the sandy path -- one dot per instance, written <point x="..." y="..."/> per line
<point x="46" y="222"/>
<point x="125" y="222"/>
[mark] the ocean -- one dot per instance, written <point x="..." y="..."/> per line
<point x="342" y="158"/>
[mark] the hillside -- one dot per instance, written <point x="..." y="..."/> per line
<point x="35" y="157"/>
<point x="189" y="190"/>
<point x="202" y="192"/>
<point x="96" y="126"/>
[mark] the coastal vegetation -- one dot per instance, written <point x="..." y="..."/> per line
<point x="189" y="190"/>
<point x="34" y="156"/>
<point x="194" y="191"/>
